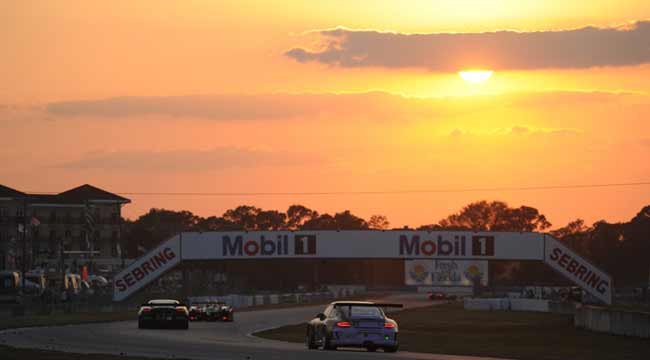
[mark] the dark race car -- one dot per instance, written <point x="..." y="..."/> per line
<point x="440" y="296"/>
<point x="196" y="312"/>
<point x="163" y="314"/>
<point x="218" y="311"/>
<point x="353" y="324"/>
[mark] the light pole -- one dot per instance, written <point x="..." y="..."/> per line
<point x="24" y="257"/>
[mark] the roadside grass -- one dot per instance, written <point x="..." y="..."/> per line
<point x="449" y="329"/>
<point x="64" y="319"/>
<point x="10" y="353"/>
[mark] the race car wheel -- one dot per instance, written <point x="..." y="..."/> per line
<point x="185" y="325"/>
<point x="141" y="324"/>
<point x="327" y="345"/>
<point x="310" y="341"/>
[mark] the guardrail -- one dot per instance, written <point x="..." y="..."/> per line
<point x="625" y="323"/>
<point x="235" y="300"/>
<point x="615" y="322"/>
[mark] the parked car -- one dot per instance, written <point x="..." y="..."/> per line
<point x="163" y="313"/>
<point x="10" y="287"/>
<point x="353" y="324"/>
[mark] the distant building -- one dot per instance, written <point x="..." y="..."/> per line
<point x="60" y="230"/>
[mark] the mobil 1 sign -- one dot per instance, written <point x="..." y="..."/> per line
<point x="578" y="270"/>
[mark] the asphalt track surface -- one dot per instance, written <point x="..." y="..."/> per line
<point x="203" y="340"/>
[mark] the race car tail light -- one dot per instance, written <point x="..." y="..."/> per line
<point x="146" y="309"/>
<point x="180" y="310"/>
<point x="224" y="318"/>
<point x="389" y="325"/>
<point x="343" y="324"/>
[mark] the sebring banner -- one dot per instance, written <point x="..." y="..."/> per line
<point x="447" y="257"/>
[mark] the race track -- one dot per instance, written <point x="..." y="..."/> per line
<point x="209" y="341"/>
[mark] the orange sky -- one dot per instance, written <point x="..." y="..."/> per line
<point x="216" y="105"/>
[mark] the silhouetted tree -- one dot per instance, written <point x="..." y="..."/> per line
<point x="215" y="223"/>
<point x="270" y="220"/>
<point x="378" y="222"/>
<point x="321" y="222"/>
<point x="244" y="216"/>
<point x="158" y="225"/>
<point x="495" y="216"/>
<point x="297" y="215"/>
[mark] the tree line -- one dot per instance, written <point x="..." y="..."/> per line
<point x="622" y="249"/>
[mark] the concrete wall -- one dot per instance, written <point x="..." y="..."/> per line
<point x="519" y="305"/>
<point x="625" y="323"/>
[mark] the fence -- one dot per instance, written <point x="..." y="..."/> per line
<point x="616" y="322"/>
<point x="626" y="323"/>
<point x="237" y="301"/>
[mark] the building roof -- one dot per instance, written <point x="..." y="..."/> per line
<point x="88" y="192"/>
<point x="78" y="195"/>
<point x="7" y="192"/>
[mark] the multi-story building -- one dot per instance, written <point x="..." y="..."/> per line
<point x="69" y="229"/>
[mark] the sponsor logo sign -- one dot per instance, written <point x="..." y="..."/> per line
<point x="578" y="270"/>
<point x="456" y="246"/>
<point x="264" y="245"/>
<point x="445" y="272"/>
<point x="146" y="269"/>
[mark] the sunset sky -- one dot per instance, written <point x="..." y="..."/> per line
<point x="334" y="97"/>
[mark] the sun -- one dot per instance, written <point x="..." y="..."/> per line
<point x="475" y="76"/>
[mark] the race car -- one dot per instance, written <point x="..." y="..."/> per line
<point x="163" y="314"/>
<point x="353" y="324"/>
<point x="440" y="296"/>
<point x="218" y="311"/>
<point x="196" y="312"/>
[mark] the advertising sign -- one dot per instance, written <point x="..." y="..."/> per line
<point x="147" y="268"/>
<point x="363" y="244"/>
<point x="578" y="270"/>
<point x="445" y="272"/>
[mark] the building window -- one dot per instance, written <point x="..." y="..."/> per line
<point x="19" y="212"/>
<point x="115" y="218"/>
<point x="53" y="217"/>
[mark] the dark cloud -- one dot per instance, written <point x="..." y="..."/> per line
<point x="371" y="106"/>
<point x="187" y="160"/>
<point x="502" y="50"/>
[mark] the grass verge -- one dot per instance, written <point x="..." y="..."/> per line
<point x="449" y="329"/>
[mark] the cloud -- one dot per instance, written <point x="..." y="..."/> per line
<point x="187" y="160"/>
<point x="502" y="50"/>
<point x="371" y="106"/>
<point x="518" y="130"/>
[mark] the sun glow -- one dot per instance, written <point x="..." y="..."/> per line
<point x="475" y="76"/>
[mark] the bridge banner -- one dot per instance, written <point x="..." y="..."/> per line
<point x="363" y="244"/>
<point x="147" y="268"/>
<point x="575" y="268"/>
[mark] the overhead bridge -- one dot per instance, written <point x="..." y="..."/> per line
<point x="363" y="244"/>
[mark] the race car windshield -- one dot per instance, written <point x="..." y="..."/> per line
<point x="359" y="311"/>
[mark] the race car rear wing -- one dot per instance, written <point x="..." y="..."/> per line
<point x="383" y="305"/>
